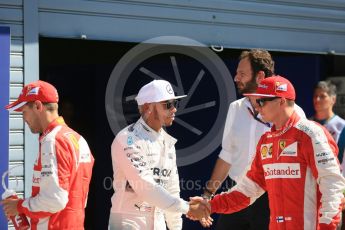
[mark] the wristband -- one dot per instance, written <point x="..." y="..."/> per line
<point x="207" y="197"/>
<point x="208" y="191"/>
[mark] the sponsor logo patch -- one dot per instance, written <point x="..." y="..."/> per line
<point x="325" y="157"/>
<point x="85" y="157"/>
<point x="282" y="170"/>
<point x="143" y="207"/>
<point x="281" y="87"/>
<point x="325" y="160"/>
<point x="323" y="154"/>
<point x="169" y="89"/>
<point x="74" y="140"/>
<point x="263" y="86"/>
<point x="288" y="151"/>
<point x="36" y="178"/>
<point x="33" y="91"/>
<point x="161" y="172"/>
<point x="128" y="148"/>
<point x="282" y="144"/>
<point x="266" y="151"/>
<point x="129" y="140"/>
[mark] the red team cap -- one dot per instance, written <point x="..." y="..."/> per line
<point x="275" y="86"/>
<point x="35" y="91"/>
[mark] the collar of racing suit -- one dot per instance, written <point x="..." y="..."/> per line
<point x="153" y="135"/>
<point x="292" y="121"/>
<point x="58" y="121"/>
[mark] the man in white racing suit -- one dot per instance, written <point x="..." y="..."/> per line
<point x="146" y="181"/>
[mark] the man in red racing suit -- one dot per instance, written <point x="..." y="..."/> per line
<point x="63" y="167"/>
<point x="295" y="163"/>
<point x="298" y="168"/>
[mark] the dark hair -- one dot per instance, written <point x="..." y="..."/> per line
<point x="260" y="60"/>
<point x="327" y="86"/>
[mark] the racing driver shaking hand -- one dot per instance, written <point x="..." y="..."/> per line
<point x="295" y="162"/>
<point x="146" y="181"/>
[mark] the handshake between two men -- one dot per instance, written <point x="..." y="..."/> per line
<point x="200" y="209"/>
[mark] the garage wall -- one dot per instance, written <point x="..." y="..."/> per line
<point x="298" y="25"/>
<point x="11" y="12"/>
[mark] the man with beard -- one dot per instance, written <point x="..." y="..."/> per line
<point x="243" y="128"/>
<point x="146" y="181"/>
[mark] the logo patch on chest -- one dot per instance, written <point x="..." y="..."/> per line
<point x="266" y="151"/>
<point x="282" y="170"/>
<point x="129" y="140"/>
<point x="287" y="149"/>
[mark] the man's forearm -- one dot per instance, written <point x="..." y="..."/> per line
<point x="220" y="172"/>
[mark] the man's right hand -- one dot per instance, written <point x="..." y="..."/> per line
<point x="198" y="209"/>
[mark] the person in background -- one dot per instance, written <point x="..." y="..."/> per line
<point x="146" y="181"/>
<point x="63" y="167"/>
<point x="243" y="128"/>
<point x="324" y="98"/>
<point x="295" y="162"/>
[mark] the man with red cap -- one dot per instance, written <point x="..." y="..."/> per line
<point x="63" y="167"/>
<point x="295" y="162"/>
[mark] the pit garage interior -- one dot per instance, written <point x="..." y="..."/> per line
<point x="80" y="69"/>
<point x="80" y="46"/>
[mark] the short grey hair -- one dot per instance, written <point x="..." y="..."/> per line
<point x="327" y="86"/>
